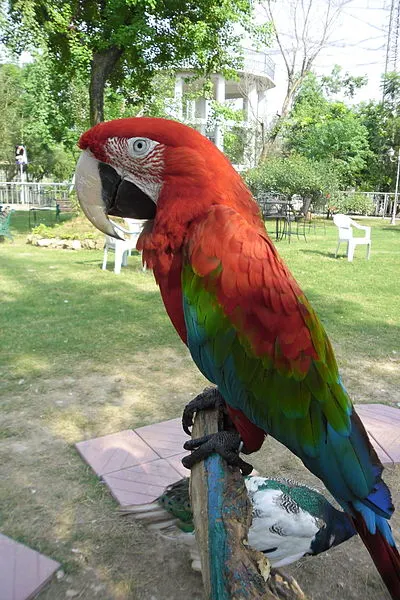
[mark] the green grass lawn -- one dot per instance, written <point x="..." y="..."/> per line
<point x="85" y="353"/>
<point x="60" y="309"/>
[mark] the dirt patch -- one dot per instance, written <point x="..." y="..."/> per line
<point x="52" y="501"/>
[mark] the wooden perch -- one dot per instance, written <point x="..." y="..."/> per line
<point x="222" y="517"/>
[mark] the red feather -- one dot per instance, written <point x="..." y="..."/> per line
<point x="271" y="315"/>
<point x="385" y="557"/>
<point x="252" y="436"/>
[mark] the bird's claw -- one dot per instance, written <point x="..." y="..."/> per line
<point x="210" y="397"/>
<point x="225" y="443"/>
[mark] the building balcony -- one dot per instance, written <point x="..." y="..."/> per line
<point x="258" y="64"/>
<point x="255" y="63"/>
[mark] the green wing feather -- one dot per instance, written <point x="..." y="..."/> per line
<point x="253" y="333"/>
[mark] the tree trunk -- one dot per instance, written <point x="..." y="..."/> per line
<point x="222" y="516"/>
<point x="102" y="66"/>
<point x="270" y="143"/>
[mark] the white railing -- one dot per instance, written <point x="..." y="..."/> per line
<point x="382" y="201"/>
<point x="255" y="62"/>
<point x="24" y="195"/>
<point x="258" y="63"/>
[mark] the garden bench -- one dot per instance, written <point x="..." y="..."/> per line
<point x="5" y="225"/>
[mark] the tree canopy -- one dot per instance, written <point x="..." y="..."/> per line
<point x="294" y="174"/>
<point x="118" y="40"/>
<point x="382" y="121"/>
<point x="323" y="129"/>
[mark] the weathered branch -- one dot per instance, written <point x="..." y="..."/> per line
<point x="222" y="517"/>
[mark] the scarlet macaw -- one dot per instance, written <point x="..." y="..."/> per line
<point x="249" y="327"/>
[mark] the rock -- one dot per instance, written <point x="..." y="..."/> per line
<point x="60" y="574"/>
<point x="88" y="243"/>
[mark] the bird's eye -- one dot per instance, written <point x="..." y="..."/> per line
<point x="139" y="146"/>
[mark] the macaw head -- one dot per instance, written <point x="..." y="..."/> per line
<point x="148" y="168"/>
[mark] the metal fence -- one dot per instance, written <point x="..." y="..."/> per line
<point x="258" y="63"/>
<point x="23" y="195"/>
<point x="382" y="202"/>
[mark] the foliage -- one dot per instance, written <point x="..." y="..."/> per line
<point x="236" y="138"/>
<point x="45" y="232"/>
<point x="236" y="143"/>
<point x="128" y="43"/>
<point x="342" y="84"/>
<point x="31" y="115"/>
<point x="158" y="101"/>
<point x="353" y="203"/>
<point x="382" y="121"/>
<point x="63" y="231"/>
<point x="327" y="130"/>
<point x="11" y="126"/>
<point x="294" y="174"/>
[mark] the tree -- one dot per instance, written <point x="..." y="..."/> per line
<point x="308" y="28"/>
<point x="327" y="130"/>
<point x="112" y="40"/>
<point x="34" y="113"/>
<point x="382" y="121"/>
<point x="11" y="87"/>
<point x="292" y="175"/>
<point x="342" y="84"/>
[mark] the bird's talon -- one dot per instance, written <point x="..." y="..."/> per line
<point x="209" y="398"/>
<point x="224" y="443"/>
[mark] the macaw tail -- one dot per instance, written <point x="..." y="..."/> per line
<point x="383" y="551"/>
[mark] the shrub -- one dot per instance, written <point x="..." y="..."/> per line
<point x="357" y="204"/>
<point x="58" y="231"/>
<point x="294" y="175"/>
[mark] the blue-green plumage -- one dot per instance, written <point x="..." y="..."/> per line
<point x="312" y="416"/>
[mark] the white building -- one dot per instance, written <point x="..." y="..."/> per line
<point x="247" y="92"/>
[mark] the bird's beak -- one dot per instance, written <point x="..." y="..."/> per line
<point x="102" y="191"/>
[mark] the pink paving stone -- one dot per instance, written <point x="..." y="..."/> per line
<point x="115" y="452"/>
<point x="23" y="572"/>
<point x="175" y="461"/>
<point x="166" y="438"/>
<point x="383" y="426"/>
<point x="141" y="484"/>
<point x="133" y="470"/>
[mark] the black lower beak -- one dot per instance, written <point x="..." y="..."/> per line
<point x="102" y="191"/>
<point x="122" y="198"/>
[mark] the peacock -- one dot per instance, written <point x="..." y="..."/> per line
<point x="289" y="519"/>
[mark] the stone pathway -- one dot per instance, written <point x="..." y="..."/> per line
<point x="383" y="425"/>
<point x="137" y="465"/>
<point x="23" y="572"/>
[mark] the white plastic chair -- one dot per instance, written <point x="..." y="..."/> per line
<point x="345" y="225"/>
<point x="122" y="248"/>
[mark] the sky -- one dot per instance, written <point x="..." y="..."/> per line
<point x="357" y="43"/>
